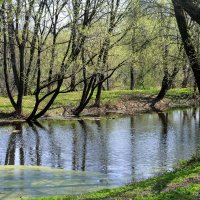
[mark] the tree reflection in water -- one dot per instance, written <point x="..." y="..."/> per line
<point x="14" y="138"/>
<point x="128" y="147"/>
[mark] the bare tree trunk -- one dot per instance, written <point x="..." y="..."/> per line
<point x="99" y="90"/>
<point x="5" y="60"/>
<point x="86" y="95"/>
<point x="166" y="84"/>
<point x="192" y="8"/>
<point x="187" y="41"/>
<point x="12" y="49"/>
<point x="52" y="62"/>
<point x="132" y="78"/>
<point x="167" y="79"/>
<point x="73" y="79"/>
<point x="21" y="81"/>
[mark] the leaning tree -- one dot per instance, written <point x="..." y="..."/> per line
<point x="181" y="7"/>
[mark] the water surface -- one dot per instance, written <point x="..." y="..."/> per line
<point x="122" y="149"/>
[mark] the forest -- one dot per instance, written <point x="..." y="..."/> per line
<point x="49" y="47"/>
<point x="99" y="99"/>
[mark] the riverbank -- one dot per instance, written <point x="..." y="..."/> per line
<point x="181" y="184"/>
<point x="112" y="102"/>
<point x="124" y="102"/>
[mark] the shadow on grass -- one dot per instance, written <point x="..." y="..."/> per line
<point x="163" y="181"/>
<point x="138" y="97"/>
<point x="181" y="194"/>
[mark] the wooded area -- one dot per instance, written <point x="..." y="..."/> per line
<point x="50" y="47"/>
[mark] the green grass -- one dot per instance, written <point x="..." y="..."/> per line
<point x="108" y="97"/>
<point x="181" y="184"/>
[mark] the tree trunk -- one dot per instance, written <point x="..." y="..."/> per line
<point x="191" y="7"/>
<point x="86" y="95"/>
<point x="5" y="65"/>
<point x="132" y="78"/>
<point x="99" y="90"/>
<point x="21" y="81"/>
<point x="187" y="41"/>
<point x="186" y="75"/>
<point x="12" y="53"/>
<point x="73" y="80"/>
<point x="166" y="84"/>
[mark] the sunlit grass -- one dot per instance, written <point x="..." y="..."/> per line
<point x="108" y="97"/>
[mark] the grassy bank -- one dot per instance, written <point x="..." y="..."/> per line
<point x="181" y="184"/>
<point x="121" y="101"/>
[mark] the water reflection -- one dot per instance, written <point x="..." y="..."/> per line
<point x="125" y="149"/>
<point x="79" y="146"/>
<point x="12" y="149"/>
<point x="37" y="145"/>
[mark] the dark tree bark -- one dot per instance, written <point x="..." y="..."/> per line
<point x="167" y="79"/>
<point x="73" y="80"/>
<point x="99" y="90"/>
<point x="86" y="95"/>
<point x="187" y="41"/>
<point x="76" y="35"/>
<point x="12" y="47"/>
<point x="37" y="101"/>
<point x="132" y="78"/>
<point x="192" y="8"/>
<point x="166" y="85"/>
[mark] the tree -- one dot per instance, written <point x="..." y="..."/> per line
<point x="95" y="65"/>
<point x="192" y="7"/>
<point x="16" y="36"/>
<point x="186" y="39"/>
<point x="115" y="15"/>
<point x="167" y="35"/>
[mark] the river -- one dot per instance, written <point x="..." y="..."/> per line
<point x="100" y="152"/>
